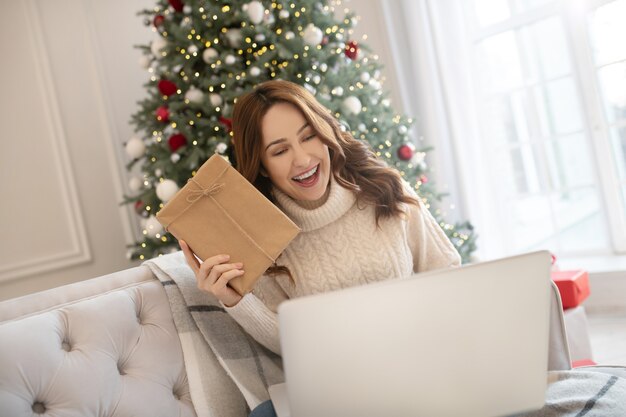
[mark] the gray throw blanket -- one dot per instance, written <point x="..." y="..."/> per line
<point x="228" y="371"/>
<point x="579" y="393"/>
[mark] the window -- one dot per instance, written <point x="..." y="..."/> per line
<point x="549" y="94"/>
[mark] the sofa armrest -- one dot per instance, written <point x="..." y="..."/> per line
<point x="559" y="356"/>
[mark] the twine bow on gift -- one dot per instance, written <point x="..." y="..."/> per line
<point x="195" y="195"/>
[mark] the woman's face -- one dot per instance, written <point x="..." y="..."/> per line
<point x="293" y="156"/>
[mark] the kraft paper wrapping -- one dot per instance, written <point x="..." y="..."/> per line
<point x="219" y="212"/>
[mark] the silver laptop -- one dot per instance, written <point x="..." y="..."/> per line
<point x="470" y="341"/>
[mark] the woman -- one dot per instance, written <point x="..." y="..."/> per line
<point x="360" y="221"/>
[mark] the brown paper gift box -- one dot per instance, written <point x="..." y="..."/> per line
<point x="219" y="212"/>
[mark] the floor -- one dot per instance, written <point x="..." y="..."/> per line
<point x="608" y="338"/>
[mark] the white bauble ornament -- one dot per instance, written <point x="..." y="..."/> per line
<point x="187" y="9"/>
<point x="339" y="36"/>
<point x="259" y="37"/>
<point x="362" y="127"/>
<point x="284" y="14"/>
<point x="230" y="59"/>
<point x="234" y="37"/>
<point x="255" y="71"/>
<point x="192" y="49"/>
<point x="269" y="19"/>
<point x="312" y="35"/>
<point x="324" y="67"/>
<point x="337" y="91"/>
<point x="221" y="147"/>
<point x="290" y="35"/>
<point x="174" y="157"/>
<point x="194" y="95"/>
<point x="255" y="11"/>
<point x="166" y="190"/>
<point x="418" y="158"/>
<point x="158" y="172"/>
<point x="365" y="77"/>
<point x="135" y="184"/>
<point x="216" y="99"/>
<point x="209" y="55"/>
<point x="375" y="84"/>
<point x="144" y="61"/>
<point x="386" y="102"/>
<point x="402" y="129"/>
<point x="316" y="79"/>
<point x="351" y="105"/>
<point x="135" y="147"/>
<point x="157" y="46"/>
<point x="153" y="227"/>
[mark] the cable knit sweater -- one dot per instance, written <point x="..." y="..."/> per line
<point x="340" y="246"/>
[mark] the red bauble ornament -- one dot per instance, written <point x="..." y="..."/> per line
<point x="423" y="179"/>
<point x="139" y="206"/>
<point x="158" y="20"/>
<point x="228" y="123"/>
<point x="405" y="152"/>
<point x="177" y="5"/>
<point x="352" y="50"/>
<point x="163" y="114"/>
<point x="167" y="88"/>
<point x="176" y="141"/>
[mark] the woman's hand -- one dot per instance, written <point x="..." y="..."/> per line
<point x="213" y="275"/>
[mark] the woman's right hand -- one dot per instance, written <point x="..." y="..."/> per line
<point x="214" y="274"/>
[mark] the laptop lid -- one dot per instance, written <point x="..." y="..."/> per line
<point x="469" y="341"/>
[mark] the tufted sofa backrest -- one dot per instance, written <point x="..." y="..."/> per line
<point x="104" y="347"/>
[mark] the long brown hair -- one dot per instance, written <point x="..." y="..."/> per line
<point x="354" y="165"/>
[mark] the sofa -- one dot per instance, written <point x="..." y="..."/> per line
<point x="108" y="347"/>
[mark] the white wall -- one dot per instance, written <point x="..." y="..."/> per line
<point x="69" y="83"/>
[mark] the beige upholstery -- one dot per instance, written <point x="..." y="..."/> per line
<point x="108" y="347"/>
<point x="103" y="347"/>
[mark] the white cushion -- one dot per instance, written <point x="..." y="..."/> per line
<point x="105" y="347"/>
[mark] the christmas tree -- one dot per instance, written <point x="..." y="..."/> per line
<point x="207" y="53"/>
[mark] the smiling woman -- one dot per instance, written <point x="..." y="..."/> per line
<point x="294" y="157"/>
<point x="360" y="221"/>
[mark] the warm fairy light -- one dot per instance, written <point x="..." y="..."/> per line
<point x="225" y="9"/>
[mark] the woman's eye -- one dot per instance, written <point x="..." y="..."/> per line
<point x="310" y="137"/>
<point x="280" y="152"/>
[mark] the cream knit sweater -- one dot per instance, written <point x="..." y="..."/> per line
<point x="340" y="246"/>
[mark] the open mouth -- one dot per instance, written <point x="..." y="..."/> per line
<point x="308" y="177"/>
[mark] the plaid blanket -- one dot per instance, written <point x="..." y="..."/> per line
<point x="578" y="393"/>
<point x="228" y="371"/>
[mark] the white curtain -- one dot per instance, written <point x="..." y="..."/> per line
<point x="438" y="90"/>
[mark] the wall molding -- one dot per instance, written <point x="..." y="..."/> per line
<point x="115" y="155"/>
<point x="79" y="252"/>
